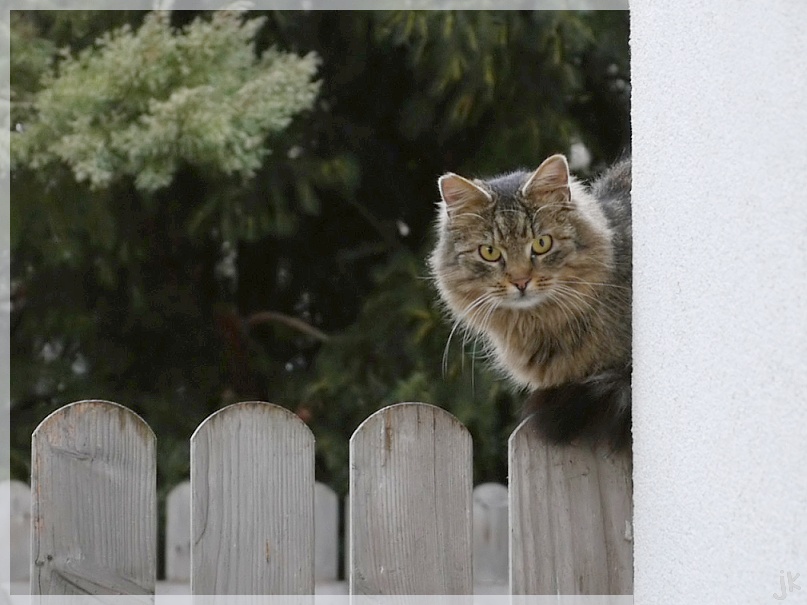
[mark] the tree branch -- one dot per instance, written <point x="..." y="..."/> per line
<point x="287" y="320"/>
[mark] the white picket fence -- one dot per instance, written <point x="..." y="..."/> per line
<point x="252" y="519"/>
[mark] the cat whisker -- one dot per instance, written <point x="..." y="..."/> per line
<point x="490" y="304"/>
<point x="567" y="312"/>
<point x="589" y="261"/>
<point x="473" y="368"/>
<point x="576" y="293"/>
<point x="579" y="304"/>
<point x="577" y="298"/>
<point x="591" y="283"/>
<point x="466" y="316"/>
<point x="486" y="321"/>
<point x="491" y="307"/>
<point x="580" y="324"/>
<point x="448" y="346"/>
<point x="486" y="307"/>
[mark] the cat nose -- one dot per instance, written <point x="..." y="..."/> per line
<point x="520" y="283"/>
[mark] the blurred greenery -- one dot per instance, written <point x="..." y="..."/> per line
<point x="209" y="208"/>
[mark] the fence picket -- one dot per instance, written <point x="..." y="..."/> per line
<point x="15" y="517"/>
<point x="326" y="533"/>
<point x="569" y="506"/>
<point x="178" y="533"/>
<point x="491" y="535"/>
<point x="410" y="503"/>
<point x="347" y="534"/>
<point x="252" y="515"/>
<point x="93" y="502"/>
<point x="259" y="524"/>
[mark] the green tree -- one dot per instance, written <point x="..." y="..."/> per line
<point x="207" y="208"/>
<point x="130" y="168"/>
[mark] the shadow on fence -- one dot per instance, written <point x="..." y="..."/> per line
<point x="252" y="520"/>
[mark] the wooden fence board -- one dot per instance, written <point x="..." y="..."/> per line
<point x="569" y="506"/>
<point x="326" y="533"/>
<point x="93" y="502"/>
<point x="616" y="498"/>
<point x="491" y="535"/>
<point x="178" y="533"/>
<point x="252" y="516"/>
<point x="346" y="534"/>
<point x="15" y="509"/>
<point x="260" y="525"/>
<point x="410" y="503"/>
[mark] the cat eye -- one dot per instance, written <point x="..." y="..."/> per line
<point x="490" y="253"/>
<point x="542" y="244"/>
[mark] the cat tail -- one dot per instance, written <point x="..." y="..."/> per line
<point x="597" y="409"/>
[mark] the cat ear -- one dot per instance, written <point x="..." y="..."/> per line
<point x="458" y="192"/>
<point x="551" y="175"/>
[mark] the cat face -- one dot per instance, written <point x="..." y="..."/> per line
<point x="518" y="241"/>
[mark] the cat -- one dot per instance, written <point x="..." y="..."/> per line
<point x="538" y="266"/>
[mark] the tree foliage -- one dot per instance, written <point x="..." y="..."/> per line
<point x="199" y="97"/>
<point x="209" y="207"/>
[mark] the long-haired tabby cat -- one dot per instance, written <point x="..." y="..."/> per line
<point x="538" y="266"/>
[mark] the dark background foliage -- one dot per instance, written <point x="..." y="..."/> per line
<point x="304" y="285"/>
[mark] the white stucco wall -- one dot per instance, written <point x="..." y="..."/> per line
<point x="720" y="311"/>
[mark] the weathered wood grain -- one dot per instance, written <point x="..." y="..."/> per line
<point x="326" y="533"/>
<point x="569" y="506"/>
<point x="491" y="535"/>
<point x="346" y="533"/>
<point x="252" y="512"/>
<point x="253" y="518"/>
<point x="178" y="533"/>
<point x="94" y="504"/>
<point x="410" y="503"/>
